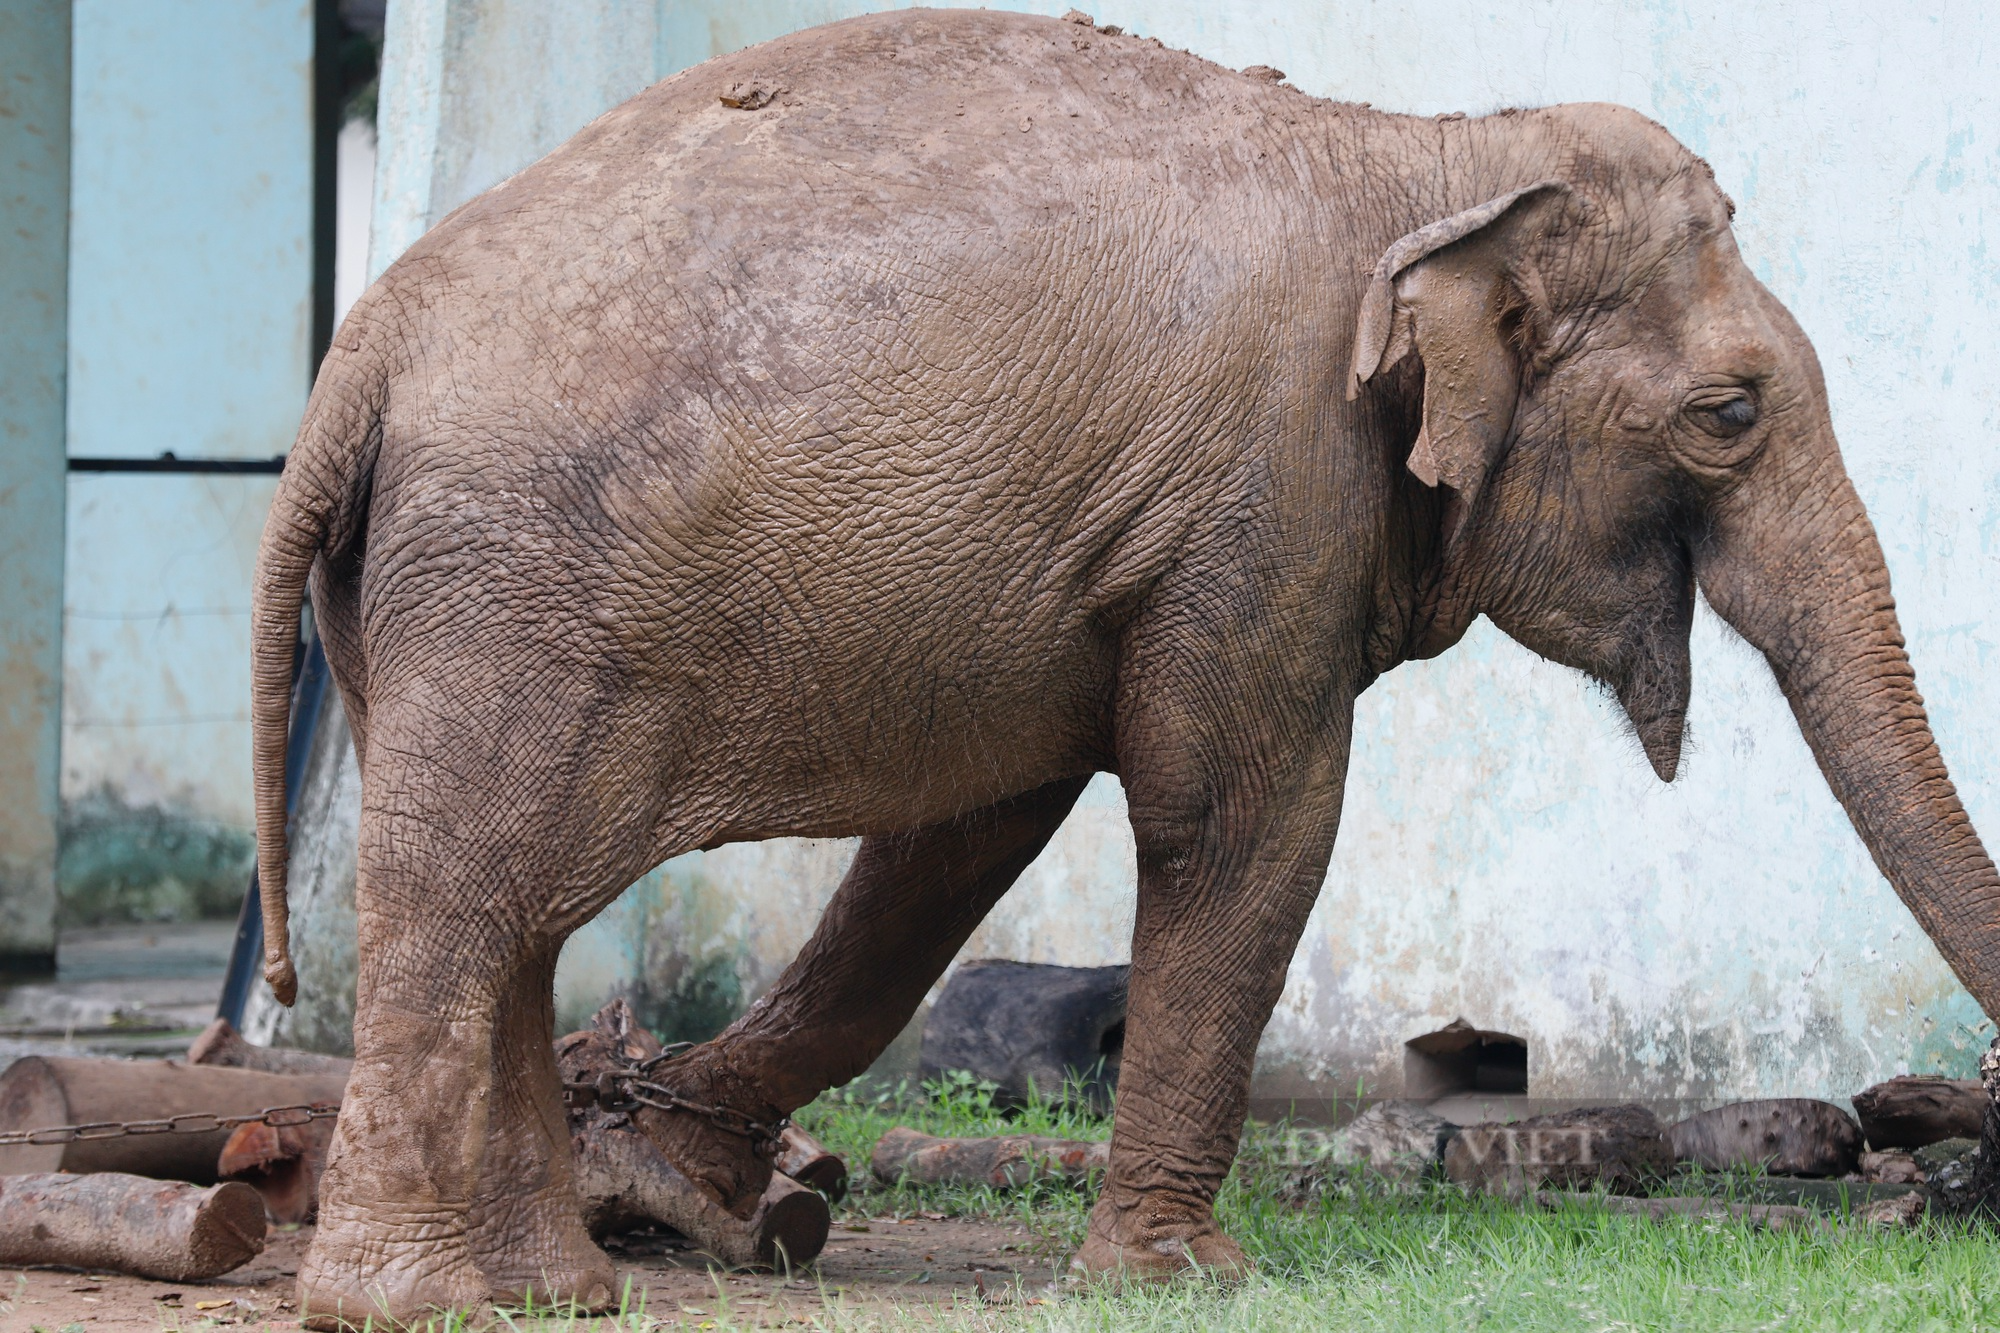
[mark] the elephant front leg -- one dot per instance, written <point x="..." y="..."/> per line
<point x="907" y="904"/>
<point x="1223" y="896"/>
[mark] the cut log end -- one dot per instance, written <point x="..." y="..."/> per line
<point x="228" y="1230"/>
<point x="806" y="1160"/>
<point x="791" y="1224"/>
<point x="168" y="1230"/>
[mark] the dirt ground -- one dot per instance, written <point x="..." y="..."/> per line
<point x="909" y="1263"/>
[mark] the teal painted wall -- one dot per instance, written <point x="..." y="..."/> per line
<point x="1506" y="855"/>
<point x="34" y="219"/>
<point x="189" y="307"/>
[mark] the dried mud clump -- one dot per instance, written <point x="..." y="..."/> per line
<point x="750" y="95"/>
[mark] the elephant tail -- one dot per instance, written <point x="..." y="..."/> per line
<point x="322" y="497"/>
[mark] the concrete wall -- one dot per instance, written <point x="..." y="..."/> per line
<point x="34" y="265"/>
<point x="189" y="301"/>
<point x="1506" y="855"/>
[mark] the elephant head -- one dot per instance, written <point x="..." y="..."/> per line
<point x="1619" y="413"/>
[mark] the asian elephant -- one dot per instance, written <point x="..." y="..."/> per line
<point x="882" y="430"/>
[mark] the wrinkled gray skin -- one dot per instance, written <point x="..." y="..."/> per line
<point x="1001" y="403"/>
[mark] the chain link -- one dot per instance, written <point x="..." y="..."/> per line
<point x="632" y="1087"/>
<point x="194" y="1122"/>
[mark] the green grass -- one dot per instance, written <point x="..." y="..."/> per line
<point x="1363" y="1255"/>
<point x="1360" y="1254"/>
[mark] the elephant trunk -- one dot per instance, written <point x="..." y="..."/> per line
<point x="1794" y="566"/>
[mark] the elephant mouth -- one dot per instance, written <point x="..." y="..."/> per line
<point x="1654" y="674"/>
<point x="1655" y="701"/>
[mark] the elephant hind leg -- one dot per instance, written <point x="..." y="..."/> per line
<point x="449" y="1179"/>
<point x="906" y="906"/>
<point x="528" y="1237"/>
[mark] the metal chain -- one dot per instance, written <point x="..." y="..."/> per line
<point x="194" y="1122"/>
<point x="632" y="1087"/>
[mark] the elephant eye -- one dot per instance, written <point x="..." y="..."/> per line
<point x="1724" y="414"/>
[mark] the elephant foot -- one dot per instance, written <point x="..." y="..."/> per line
<point x="361" y="1272"/>
<point x="732" y="1168"/>
<point x="535" y="1252"/>
<point x="1141" y="1244"/>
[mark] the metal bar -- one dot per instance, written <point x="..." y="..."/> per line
<point x="308" y="694"/>
<point x="168" y="463"/>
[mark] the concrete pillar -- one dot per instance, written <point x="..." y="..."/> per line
<point x="474" y="90"/>
<point x="34" y="266"/>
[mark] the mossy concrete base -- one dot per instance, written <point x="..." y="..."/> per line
<point x="125" y="863"/>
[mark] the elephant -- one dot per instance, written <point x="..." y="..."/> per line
<point x="882" y="430"/>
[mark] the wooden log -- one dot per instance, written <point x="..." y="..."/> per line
<point x="221" y="1045"/>
<point x="626" y="1182"/>
<point x="167" y="1230"/>
<point x="282" y="1163"/>
<point x="1787" y="1136"/>
<point x="1003" y="1161"/>
<point x="43" y="1090"/>
<point x="1622" y="1147"/>
<point x="1916" y="1110"/>
<point x="1769" y="1216"/>
<point x="806" y="1160"/>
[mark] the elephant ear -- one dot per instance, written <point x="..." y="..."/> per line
<point x="1458" y="293"/>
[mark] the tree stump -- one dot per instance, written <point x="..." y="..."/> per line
<point x="1916" y="1110"/>
<point x="1982" y="1197"/>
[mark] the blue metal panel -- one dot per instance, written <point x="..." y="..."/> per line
<point x="190" y="306"/>
<point x="191" y="266"/>
<point x="34" y="198"/>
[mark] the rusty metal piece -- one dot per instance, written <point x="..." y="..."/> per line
<point x="157" y="1118"/>
<point x="281" y="1162"/>
<point x="221" y="1046"/>
<point x="1004" y="1161"/>
<point x="806" y="1160"/>
<point x="168" y="1230"/>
